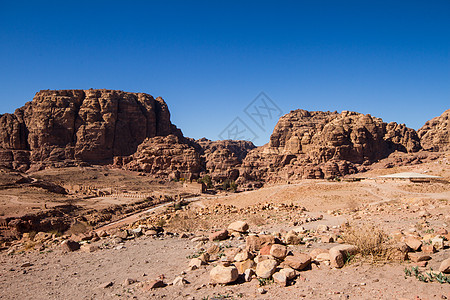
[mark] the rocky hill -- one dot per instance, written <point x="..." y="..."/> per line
<point x="324" y="145"/>
<point x="134" y="131"/>
<point x="83" y="125"/>
<point x="435" y="134"/>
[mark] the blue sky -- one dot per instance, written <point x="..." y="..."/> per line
<point x="210" y="59"/>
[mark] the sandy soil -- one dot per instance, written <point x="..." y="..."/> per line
<point x="51" y="274"/>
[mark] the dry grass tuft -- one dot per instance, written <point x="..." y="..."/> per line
<point x="372" y="242"/>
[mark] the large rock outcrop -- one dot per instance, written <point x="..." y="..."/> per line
<point x="435" y="134"/>
<point x="80" y="125"/>
<point x="324" y="145"/>
<point x="169" y="157"/>
<point x="223" y="158"/>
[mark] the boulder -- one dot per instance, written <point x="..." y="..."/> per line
<point x="238" y="226"/>
<point x="224" y="275"/>
<point x="278" y="251"/>
<point x="218" y="235"/>
<point x="69" y="246"/>
<point x="298" y="261"/>
<point x="266" y="268"/>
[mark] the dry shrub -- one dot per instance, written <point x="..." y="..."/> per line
<point x="372" y="242"/>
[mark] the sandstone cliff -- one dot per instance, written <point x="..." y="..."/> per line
<point x="82" y="125"/>
<point x="435" y="134"/>
<point x="324" y="145"/>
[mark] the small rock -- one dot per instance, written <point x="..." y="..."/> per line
<point x="299" y="261"/>
<point x="266" y="268"/>
<point x="339" y="254"/>
<point x="292" y="238"/>
<point x="256" y="242"/>
<point x="151" y="232"/>
<point x="204" y="257"/>
<point x="196" y="262"/>
<point x="262" y="291"/>
<point x="239" y="226"/>
<point x="278" y="251"/>
<point x="248" y="275"/>
<point x="69" y="246"/>
<point x="265" y="250"/>
<point x="413" y="243"/>
<point x="218" y="235"/>
<point x="429" y="249"/>
<point x="129" y="281"/>
<point x="416" y="256"/>
<point x="88" y="248"/>
<point x="242" y="266"/>
<point x="106" y="285"/>
<point x="153" y="284"/>
<point x="199" y="239"/>
<point x="290" y="273"/>
<point x="280" y="278"/>
<point x="437" y="242"/>
<point x="26" y="265"/>
<point x="224" y="275"/>
<point x="241" y="256"/>
<point x="316" y="252"/>
<point x="180" y="281"/>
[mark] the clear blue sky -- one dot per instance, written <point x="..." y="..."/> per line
<point x="210" y="59"/>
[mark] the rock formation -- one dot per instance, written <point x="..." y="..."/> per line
<point x="223" y="158"/>
<point x="83" y="125"/>
<point x="167" y="157"/>
<point x="324" y="145"/>
<point x="435" y="134"/>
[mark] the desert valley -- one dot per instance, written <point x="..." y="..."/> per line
<point x="102" y="197"/>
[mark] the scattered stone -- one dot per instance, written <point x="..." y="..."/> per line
<point x="106" y="285"/>
<point x="416" y="256"/>
<point x="151" y="232"/>
<point x="218" y="235"/>
<point x="339" y="254"/>
<point x="196" y="262"/>
<point x="266" y="268"/>
<point x="199" y="239"/>
<point x="238" y="226"/>
<point x="153" y="284"/>
<point x="437" y="242"/>
<point x="224" y="275"/>
<point x="88" y="248"/>
<point x="445" y="266"/>
<point x="214" y="249"/>
<point x="429" y="249"/>
<point x="316" y="252"/>
<point x="102" y="233"/>
<point x="255" y="242"/>
<point x="26" y="265"/>
<point x="248" y="275"/>
<point x="69" y="246"/>
<point x="413" y="243"/>
<point x="262" y="291"/>
<point x="129" y="281"/>
<point x="242" y="266"/>
<point x="289" y="272"/>
<point x="278" y="251"/>
<point x="180" y="281"/>
<point x="280" y="278"/>
<point x="299" y="261"/>
<point x="204" y="257"/>
<point x="241" y="256"/>
<point x="292" y="238"/>
<point x="265" y="250"/>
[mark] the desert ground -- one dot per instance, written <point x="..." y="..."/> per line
<point x="160" y="243"/>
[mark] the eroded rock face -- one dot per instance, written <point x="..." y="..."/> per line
<point x="435" y="134"/>
<point x="84" y="125"/>
<point x="167" y="157"/>
<point x="223" y="158"/>
<point x="324" y="145"/>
